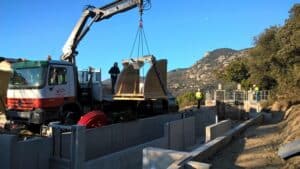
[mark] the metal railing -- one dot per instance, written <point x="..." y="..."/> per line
<point x="234" y="96"/>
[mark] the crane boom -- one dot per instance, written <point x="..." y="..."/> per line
<point x="95" y="14"/>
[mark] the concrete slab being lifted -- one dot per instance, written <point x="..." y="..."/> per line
<point x="130" y="86"/>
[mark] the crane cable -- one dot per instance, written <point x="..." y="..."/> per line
<point x="142" y="40"/>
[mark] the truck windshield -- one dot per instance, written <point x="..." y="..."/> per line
<point x="28" y="77"/>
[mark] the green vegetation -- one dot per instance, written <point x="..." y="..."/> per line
<point x="186" y="99"/>
<point x="237" y="71"/>
<point x="274" y="61"/>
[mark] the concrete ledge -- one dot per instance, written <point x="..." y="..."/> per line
<point x="267" y="117"/>
<point x="204" y="151"/>
<point x="257" y="119"/>
<point x="215" y="130"/>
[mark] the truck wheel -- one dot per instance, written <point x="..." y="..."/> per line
<point x="69" y="114"/>
<point x="93" y="119"/>
<point x="71" y="118"/>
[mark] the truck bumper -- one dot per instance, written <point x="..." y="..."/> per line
<point x="35" y="117"/>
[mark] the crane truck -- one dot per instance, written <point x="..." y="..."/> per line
<point x="44" y="91"/>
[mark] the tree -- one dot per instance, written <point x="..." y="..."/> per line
<point x="274" y="61"/>
<point x="276" y="57"/>
<point x="236" y="71"/>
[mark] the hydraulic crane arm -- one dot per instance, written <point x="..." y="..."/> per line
<point x="96" y="15"/>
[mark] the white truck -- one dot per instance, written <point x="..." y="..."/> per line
<point x="44" y="91"/>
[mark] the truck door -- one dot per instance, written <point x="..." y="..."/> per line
<point x="61" y="87"/>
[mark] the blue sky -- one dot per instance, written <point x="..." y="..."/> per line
<point x="180" y="31"/>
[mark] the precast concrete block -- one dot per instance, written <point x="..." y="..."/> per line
<point x="151" y="128"/>
<point x="131" y="134"/>
<point x="132" y="157"/>
<point x="111" y="161"/>
<point x="8" y="146"/>
<point x="59" y="163"/>
<point x="189" y="136"/>
<point x="171" y="117"/>
<point x="117" y="137"/>
<point x="65" y="143"/>
<point x="98" y="142"/>
<point x="176" y="139"/>
<point x="16" y="153"/>
<point x="199" y="127"/>
<point x="203" y="119"/>
<point x="161" y="158"/>
<point x="78" y="150"/>
<point x="38" y="152"/>
<point x="215" y="130"/>
<point x="127" y="158"/>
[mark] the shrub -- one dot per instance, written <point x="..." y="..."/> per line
<point x="186" y="99"/>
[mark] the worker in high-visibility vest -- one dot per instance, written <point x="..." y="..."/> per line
<point x="256" y="90"/>
<point x="199" y="97"/>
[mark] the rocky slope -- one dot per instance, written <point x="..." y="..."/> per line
<point x="201" y="74"/>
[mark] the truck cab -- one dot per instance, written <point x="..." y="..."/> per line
<point x="38" y="90"/>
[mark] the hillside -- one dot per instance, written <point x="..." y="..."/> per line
<point x="201" y="74"/>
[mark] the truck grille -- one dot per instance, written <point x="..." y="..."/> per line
<point x="20" y="104"/>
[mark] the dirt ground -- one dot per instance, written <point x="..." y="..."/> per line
<point x="257" y="147"/>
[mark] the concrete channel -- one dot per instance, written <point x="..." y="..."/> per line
<point x="166" y="141"/>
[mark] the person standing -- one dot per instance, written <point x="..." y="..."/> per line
<point x="256" y="90"/>
<point x="199" y="97"/>
<point x="114" y="71"/>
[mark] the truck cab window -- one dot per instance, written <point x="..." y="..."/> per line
<point x="57" y="76"/>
